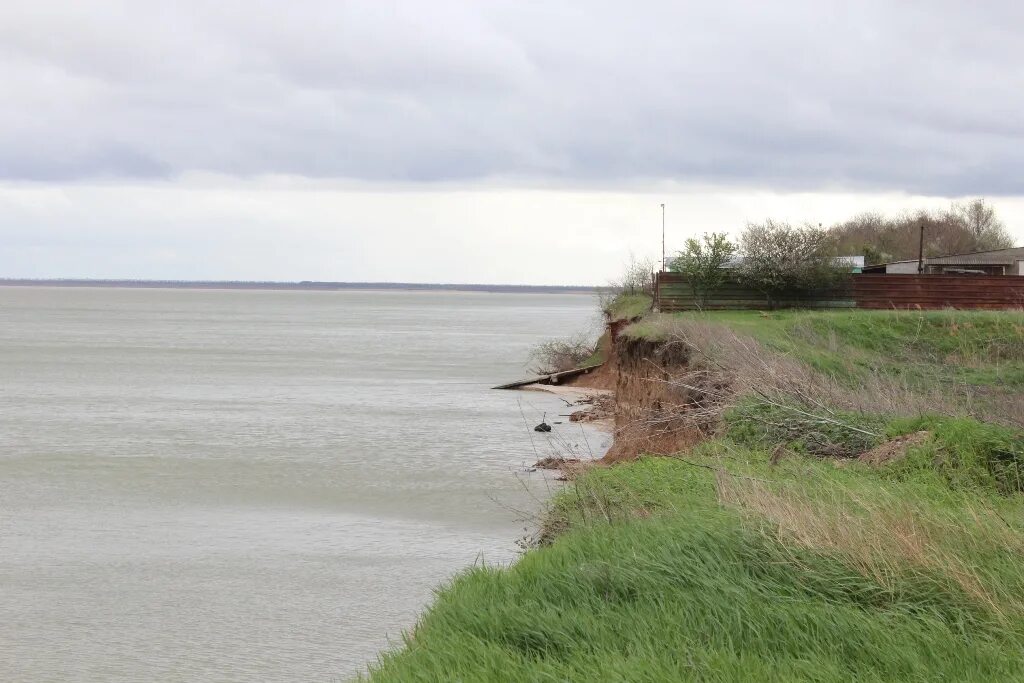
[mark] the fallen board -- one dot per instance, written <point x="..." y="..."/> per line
<point x="554" y="378"/>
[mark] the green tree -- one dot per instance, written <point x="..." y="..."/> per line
<point x="703" y="261"/>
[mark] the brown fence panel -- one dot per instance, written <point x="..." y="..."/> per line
<point x="938" y="291"/>
<point x="674" y="293"/>
<point x="867" y="290"/>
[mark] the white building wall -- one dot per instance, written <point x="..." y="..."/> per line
<point x="909" y="268"/>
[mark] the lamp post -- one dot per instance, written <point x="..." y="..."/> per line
<point x="662" y="237"/>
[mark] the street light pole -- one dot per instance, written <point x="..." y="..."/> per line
<point x="662" y="237"/>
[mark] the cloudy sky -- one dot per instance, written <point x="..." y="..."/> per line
<point x="478" y="141"/>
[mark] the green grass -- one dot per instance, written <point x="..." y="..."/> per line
<point x="968" y="455"/>
<point x="667" y="571"/>
<point x="599" y="355"/>
<point x="628" y="307"/>
<point x="651" y="328"/>
<point x="979" y="348"/>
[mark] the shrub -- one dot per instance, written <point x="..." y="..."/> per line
<point x="636" y="280"/>
<point x="559" y="355"/>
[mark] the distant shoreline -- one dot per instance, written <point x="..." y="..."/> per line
<point x="302" y="286"/>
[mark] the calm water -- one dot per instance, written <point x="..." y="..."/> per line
<point x="264" y="486"/>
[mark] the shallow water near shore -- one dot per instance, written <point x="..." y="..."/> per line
<point x="256" y="485"/>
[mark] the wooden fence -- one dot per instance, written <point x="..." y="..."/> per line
<point x="674" y="293"/>
<point x="872" y="290"/>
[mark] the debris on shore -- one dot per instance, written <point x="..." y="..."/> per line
<point x="569" y="468"/>
<point x="554" y="463"/>
<point x="600" y="407"/>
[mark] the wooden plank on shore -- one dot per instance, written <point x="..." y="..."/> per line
<point x="554" y="378"/>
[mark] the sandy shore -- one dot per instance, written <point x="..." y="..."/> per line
<point x="604" y="422"/>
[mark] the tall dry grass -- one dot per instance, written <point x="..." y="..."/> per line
<point x="885" y="537"/>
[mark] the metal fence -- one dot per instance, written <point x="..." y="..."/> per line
<point x="938" y="291"/>
<point x="874" y="291"/>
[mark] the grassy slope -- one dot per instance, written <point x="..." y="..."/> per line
<point x="654" y="578"/>
<point x="722" y="567"/>
<point x="976" y="347"/>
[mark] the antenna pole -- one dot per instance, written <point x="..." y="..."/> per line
<point x="662" y="237"/>
<point x="920" y="252"/>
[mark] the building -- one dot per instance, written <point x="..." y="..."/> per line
<point x="894" y="268"/>
<point x="995" y="262"/>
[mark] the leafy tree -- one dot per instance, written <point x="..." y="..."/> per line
<point x="781" y="259"/>
<point x="703" y="261"/>
<point x="963" y="227"/>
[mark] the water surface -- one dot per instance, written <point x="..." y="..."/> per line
<point x="255" y="485"/>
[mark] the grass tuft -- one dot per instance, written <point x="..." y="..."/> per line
<point x="628" y="307"/>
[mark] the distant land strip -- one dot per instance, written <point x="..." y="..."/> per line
<point x="304" y="285"/>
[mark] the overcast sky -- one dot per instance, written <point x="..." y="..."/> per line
<point x="443" y="141"/>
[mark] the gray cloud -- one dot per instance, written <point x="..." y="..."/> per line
<point x="916" y="96"/>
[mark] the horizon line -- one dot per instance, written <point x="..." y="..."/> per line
<point x="282" y="284"/>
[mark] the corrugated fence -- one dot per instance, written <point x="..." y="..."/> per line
<point x="938" y="291"/>
<point x="674" y="293"/>
<point x="863" y="291"/>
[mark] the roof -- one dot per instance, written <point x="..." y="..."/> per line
<point x="889" y="263"/>
<point x="995" y="257"/>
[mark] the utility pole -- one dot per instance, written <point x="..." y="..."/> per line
<point x="920" y="252"/>
<point x="662" y="238"/>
